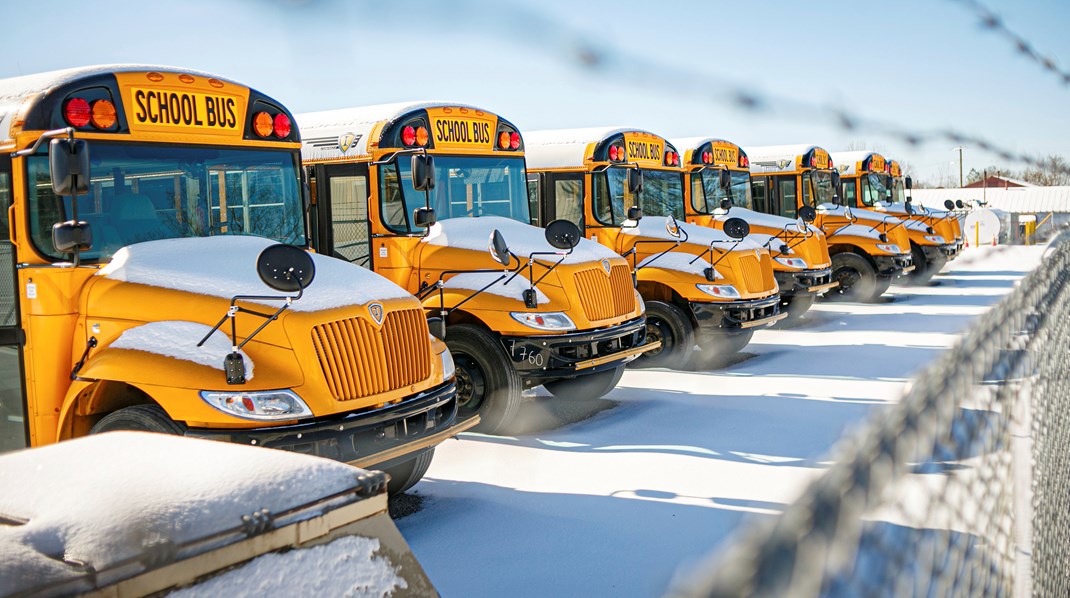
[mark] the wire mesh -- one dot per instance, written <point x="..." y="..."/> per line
<point x="960" y="489"/>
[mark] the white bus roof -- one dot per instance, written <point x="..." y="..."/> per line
<point x="776" y="158"/>
<point x="847" y="162"/>
<point x="560" y="148"/>
<point x="690" y="143"/>
<point x="322" y="131"/>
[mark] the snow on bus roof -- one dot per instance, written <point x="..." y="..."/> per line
<point x="320" y="131"/>
<point x="556" y="148"/>
<point x="689" y="143"/>
<point x="767" y="158"/>
<point x="142" y="490"/>
<point x="225" y="265"/>
<point x="847" y="162"/>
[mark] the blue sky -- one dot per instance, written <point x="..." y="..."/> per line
<point x="916" y="64"/>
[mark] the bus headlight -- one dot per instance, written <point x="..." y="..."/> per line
<point x="449" y="369"/>
<point x="263" y="405"/>
<point x="722" y="291"/>
<point x="888" y="247"/>
<point x="552" y="320"/>
<point x="935" y="239"/>
<point x="791" y="262"/>
<point x="640" y="302"/>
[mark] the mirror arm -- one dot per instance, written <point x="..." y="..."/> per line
<point x="387" y="159"/>
<point x="68" y="131"/>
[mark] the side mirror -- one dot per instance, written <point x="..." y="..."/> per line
<point x="635" y="213"/>
<point x="737" y="228"/>
<point x="563" y="234"/>
<point x="807" y="213"/>
<point x="725" y="179"/>
<point x="423" y="217"/>
<point x="423" y="172"/>
<point x="784" y="249"/>
<point x="672" y="226"/>
<point x="908" y="199"/>
<point x="950" y="205"/>
<point x="72" y="236"/>
<point x="883" y="237"/>
<point x="959" y="204"/>
<point x="68" y="162"/>
<point x="835" y="181"/>
<point x="909" y="183"/>
<point x="929" y="230"/>
<point x="726" y="205"/>
<point x="499" y="249"/>
<point x="285" y="268"/>
<point x="836" y="200"/>
<point x="909" y="207"/>
<point x="635" y="180"/>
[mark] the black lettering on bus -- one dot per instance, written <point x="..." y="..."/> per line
<point x="140" y="114"/>
<point x="232" y="119"/>
<point x="209" y="110"/>
<point x="482" y="133"/>
<point x="174" y="108"/>
<point x="187" y="110"/>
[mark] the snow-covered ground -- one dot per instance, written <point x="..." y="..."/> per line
<point x="614" y="505"/>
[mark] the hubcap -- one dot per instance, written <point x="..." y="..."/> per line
<point x="471" y="384"/>
<point x="847" y="279"/>
<point x="657" y="330"/>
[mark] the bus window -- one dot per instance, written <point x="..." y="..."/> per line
<point x="786" y="189"/>
<point x="568" y="199"/>
<point x="350" y="227"/>
<point x="849" y="193"/>
<point x="759" y="196"/>
<point x="533" y="200"/>
<point x="12" y="415"/>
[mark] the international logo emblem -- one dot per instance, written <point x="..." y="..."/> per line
<point x="375" y="310"/>
<point x="758" y="253"/>
<point x="606" y="266"/>
<point x="346" y="141"/>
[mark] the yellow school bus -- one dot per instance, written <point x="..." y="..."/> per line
<point x="515" y="310"/>
<point x="700" y="285"/>
<point x="867" y="188"/>
<point x="943" y="222"/>
<point x="801" y="262"/>
<point x="155" y="279"/>
<point x="866" y="255"/>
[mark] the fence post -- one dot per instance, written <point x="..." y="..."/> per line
<point x="1022" y="495"/>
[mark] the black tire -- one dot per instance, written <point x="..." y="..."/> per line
<point x="923" y="270"/>
<point x="586" y="387"/>
<point x="407" y="474"/>
<point x="487" y="383"/>
<point x="883" y="284"/>
<point x="670" y="325"/>
<point x="857" y="278"/>
<point x="140" y="418"/>
<point x="795" y="306"/>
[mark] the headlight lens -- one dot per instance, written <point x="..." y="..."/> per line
<point x="639" y="300"/>
<point x="264" y="405"/>
<point x="449" y="369"/>
<point x="888" y="247"/>
<point x="553" y="320"/>
<point x="722" y="291"/>
<point x="791" y="262"/>
<point x="935" y="239"/>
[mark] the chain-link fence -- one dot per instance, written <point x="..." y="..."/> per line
<point x="961" y="489"/>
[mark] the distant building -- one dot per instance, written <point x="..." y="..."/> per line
<point x="998" y="182"/>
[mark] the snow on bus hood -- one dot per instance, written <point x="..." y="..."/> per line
<point x="829" y="209"/>
<point x="178" y="339"/>
<point x="523" y="239"/>
<point x="225" y="265"/>
<point x="759" y="219"/>
<point x="655" y="227"/>
<point x="858" y="230"/>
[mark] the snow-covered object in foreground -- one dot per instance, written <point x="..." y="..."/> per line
<point x="225" y="265"/>
<point x="288" y="574"/>
<point x="178" y="339"/>
<point x="523" y="239"/>
<point x="513" y="289"/>
<point x="103" y="499"/>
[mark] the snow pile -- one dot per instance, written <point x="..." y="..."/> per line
<point x="105" y="498"/>
<point x="225" y="265"/>
<point x="513" y="289"/>
<point x="347" y="566"/>
<point x="522" y="239"/>
<point x="178" y="339"/>
<point x="680" y="262"/>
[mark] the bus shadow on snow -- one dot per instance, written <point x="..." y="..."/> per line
<point x="864" y="361"/>
<point x="600" y="533"/>
<point x="903" y="322"/>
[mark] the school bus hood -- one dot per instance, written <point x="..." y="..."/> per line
<point x="523" y="239"/>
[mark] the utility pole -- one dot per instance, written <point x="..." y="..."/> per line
<point x="961" y="182"/>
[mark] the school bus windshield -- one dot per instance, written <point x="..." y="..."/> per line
<point x="142" y="192"/>
<point x="821" y="183"/>
<point x="706" y="191"/>
<point x="874" y="188"/>
<point x="662" y="194"/>
<point x="898" y="191"/>
<point x="464" y="186"/>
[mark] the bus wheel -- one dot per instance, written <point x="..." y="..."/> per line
<point x="586" y="387"/>
<point x="140" y="418"/>
<point x="669" y="324"/>
<point x="406" y="475"/>
<point x="857" y="278"/>
<point x="487" y="383"/>
<point x="795" y="306"/>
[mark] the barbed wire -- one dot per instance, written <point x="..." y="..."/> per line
<point x="588" y="51"/>
<point x="991" y="21"/>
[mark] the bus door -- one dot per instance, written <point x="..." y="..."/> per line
<point x="13" y="416"/>
<point x="563" y="197"/>
<point x="342" y="225"/>
<point x="786" y="196"/>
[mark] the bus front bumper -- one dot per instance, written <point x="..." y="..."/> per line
<point x="380" y="437"/>
<point x="894" y="265"/>
<point x="737" y="316"/>
<point x="804" y="282"/>
<point x="951" y="250"/>
<point x="537" y="358"/>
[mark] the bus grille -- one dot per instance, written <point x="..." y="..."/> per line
<point x="604" y="297"/>
<point x="359" y="360"/>
<point x="752" y="273"/>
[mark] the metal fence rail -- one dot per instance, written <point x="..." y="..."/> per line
<point x="961" y="489"/>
